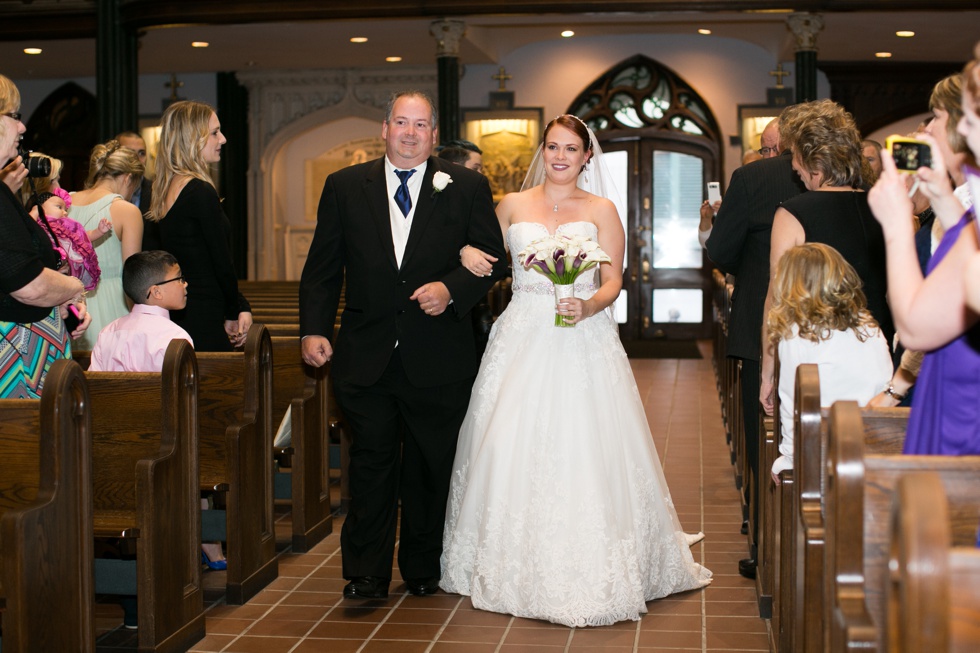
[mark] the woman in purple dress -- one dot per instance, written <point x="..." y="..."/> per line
<point x="931" y="313"/>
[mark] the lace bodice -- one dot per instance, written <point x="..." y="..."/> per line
<point x="521" y="234"/>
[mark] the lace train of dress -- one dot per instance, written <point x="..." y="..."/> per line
<point x="559" y="509"/>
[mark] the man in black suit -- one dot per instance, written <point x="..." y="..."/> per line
<point x="739" y="245"/>
<point x="404" y="360"/>
<point x="144" y="194"/>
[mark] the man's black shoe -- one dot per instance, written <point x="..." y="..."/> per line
<point x="422" y="586"/>
<point x="745" y="527"/>
<point x="366" y="587"/>
<point x="746" y="567"/>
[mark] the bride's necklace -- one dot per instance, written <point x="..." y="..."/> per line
<point x="553" y="201"/>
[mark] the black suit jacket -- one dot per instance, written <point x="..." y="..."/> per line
<point x="353" y="239"/>
<point x="740" y="239"/>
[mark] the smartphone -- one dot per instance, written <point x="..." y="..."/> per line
<point x="72" y="320"/>
<point x="908" y="153"/>
<point x="714" y="192"/>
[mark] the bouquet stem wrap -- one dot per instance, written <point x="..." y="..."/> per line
<point x="563" y="291"/>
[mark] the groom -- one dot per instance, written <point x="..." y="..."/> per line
<point x="404" y="360"/>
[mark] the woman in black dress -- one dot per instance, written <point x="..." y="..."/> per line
<point x="195" y="230"/>
<point x="827" y="156"/>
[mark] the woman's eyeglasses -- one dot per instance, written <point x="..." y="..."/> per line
<point x="16" y="115"/>
<point x="180" y="279"/>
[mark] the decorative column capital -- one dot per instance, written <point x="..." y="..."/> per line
<point x="447" y="34"/>
<point x="805" y="27"/>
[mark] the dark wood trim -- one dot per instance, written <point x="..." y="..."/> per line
<point x="880" y="93"/>
<point x="59" y="19"/>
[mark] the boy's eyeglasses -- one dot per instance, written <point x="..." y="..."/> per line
<point x="150" y="292"/>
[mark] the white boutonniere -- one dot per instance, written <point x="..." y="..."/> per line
<point x="439" y="182"/>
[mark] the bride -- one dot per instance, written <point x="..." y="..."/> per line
<point x="558" y="508"/>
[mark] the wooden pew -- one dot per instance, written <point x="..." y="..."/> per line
<point x="46" y="527"/>
<point x="305" y="391"/>
<point x="798" y="512"/>
<point x="282" y="330"/>
<point x="145" y="491"/>
<point x="769" y="513"/>
<point x="236" y="432"/>
<point x="933" y="589"/>
<point x="860" y="488"/>
<point x="799" y="498"/>
<point x="719" y="343"/>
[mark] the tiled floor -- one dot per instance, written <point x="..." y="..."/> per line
<point x="303" y="610"/>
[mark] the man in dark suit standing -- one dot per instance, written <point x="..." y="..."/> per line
<point x="144" y="193"/>
<point x="739" y="245"/>
<point x="404" y="359"/>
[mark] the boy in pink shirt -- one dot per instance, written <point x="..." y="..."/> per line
<point x="137" y="342"/>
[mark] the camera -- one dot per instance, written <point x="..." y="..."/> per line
<point x="908" y="153"/>
<point x="37" y="166"/>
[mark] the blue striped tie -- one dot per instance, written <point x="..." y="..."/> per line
<point x="402" y="197"/>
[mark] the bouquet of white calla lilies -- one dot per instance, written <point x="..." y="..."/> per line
<point x="562" y="258"/>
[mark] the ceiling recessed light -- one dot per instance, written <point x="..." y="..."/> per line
<point x="200" y="44"/>
<point x="905" y="33"/>
<point x="32" y="50"/>
<point x="883" y="55"/>
<point x="567" y="33"/>
<point x="704" y="31"/>
<point x="358" y="39"/>
<point x="393" y="59"/>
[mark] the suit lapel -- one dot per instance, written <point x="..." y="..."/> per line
<point x="376" y="192"/>
<point x="423" y="210"/>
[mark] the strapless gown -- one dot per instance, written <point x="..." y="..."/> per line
<point x="559" y="509"/>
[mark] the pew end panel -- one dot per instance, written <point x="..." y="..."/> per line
<point x="305" y="391"/>
<point x="145" y="438"/>
<point x="234" y="411"/>
<point x="847" y="621"/>
<point x="804" y="546"/>
<point x="861" y="487"/>
<point x="46" y="528"/>
<point x="933" y="589"/>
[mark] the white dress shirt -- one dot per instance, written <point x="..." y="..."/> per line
<point x="401" y="225"/>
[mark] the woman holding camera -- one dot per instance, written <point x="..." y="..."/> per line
<point x="34" y="296"/>
<point x="931" y="312"/>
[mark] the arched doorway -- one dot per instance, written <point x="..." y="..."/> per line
<point x="664" y="145"/>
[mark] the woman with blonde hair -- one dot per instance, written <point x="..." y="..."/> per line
<point x="819" y="315"/>
<point x="827" y="156"/>
<point x="194" y="228"/>
<point x="114" y="173"/>
<point x="34" y="297"/>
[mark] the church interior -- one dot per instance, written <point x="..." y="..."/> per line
<point x="677" y="91"/>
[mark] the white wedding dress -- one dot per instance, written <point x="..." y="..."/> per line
<point x="558" y="508"/>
